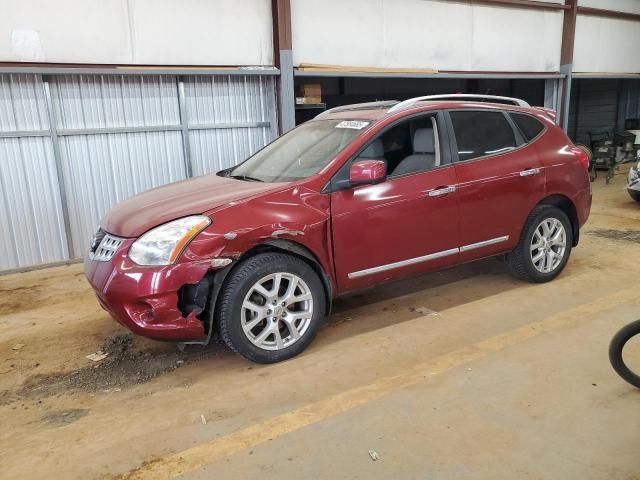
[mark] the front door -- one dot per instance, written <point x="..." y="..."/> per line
<point x="405" y="225"/>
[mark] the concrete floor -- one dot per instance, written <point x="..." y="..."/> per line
<point x="509" y="380"/>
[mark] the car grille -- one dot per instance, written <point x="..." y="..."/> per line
<point x="104" y="246"/>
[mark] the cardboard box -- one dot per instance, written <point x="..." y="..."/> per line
<point x="310" y="93"/>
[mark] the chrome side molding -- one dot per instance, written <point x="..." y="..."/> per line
<point x="485" y="243"/>
<point x="426" y="258"/>
<point x="403" y="263"/>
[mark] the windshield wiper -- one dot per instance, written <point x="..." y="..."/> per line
<point x="245" y="178"/>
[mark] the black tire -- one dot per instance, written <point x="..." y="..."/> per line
<point x="241" y="280"/>
<point x="615" y="352"/>
<point x="634" y="194"/>
<point x="519" y="260"/>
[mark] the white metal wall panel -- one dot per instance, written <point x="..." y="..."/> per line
<point x="197" y="32"/>
<point x="425" y="34"/>
<point x="102" y="169"/>
<point x="31" y="221"/>
<point x="217" y="107"/>
<point x="606" y="45"/>
<point x="161" y="32"/>
<point x="630" y="6"/>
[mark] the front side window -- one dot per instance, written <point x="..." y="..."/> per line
<point x="409" y="147"/>
<point x="300" y="153"/>
<point x="481" y="133"/>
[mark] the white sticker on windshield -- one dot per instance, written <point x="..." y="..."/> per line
<point x="354" y="124"/>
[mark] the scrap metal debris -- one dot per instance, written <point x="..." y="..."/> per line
<point x="204" y="420"/>
<point x="18" y="346"/>
<point x="374" y="455"/>
<point x="426" y="311"/>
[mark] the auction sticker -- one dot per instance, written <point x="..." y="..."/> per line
<point x="354" y="124"/>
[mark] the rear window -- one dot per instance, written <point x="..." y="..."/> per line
<point x="480" y="133"/>
<point x="529" y="126"/>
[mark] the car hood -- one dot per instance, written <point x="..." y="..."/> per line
<point x="136" y="215"/>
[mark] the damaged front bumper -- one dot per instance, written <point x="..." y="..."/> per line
<point x="161" y="303"/>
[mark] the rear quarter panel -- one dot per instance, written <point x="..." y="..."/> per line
<point x="565" y="175"/>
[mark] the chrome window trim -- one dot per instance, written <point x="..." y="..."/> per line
<point x="426" y="258"/>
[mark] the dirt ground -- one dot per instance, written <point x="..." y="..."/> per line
<point x="466" y="373"/>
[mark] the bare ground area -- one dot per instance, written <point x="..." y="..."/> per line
<point x="465" y="373"/>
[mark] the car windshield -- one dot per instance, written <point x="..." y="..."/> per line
<point x="299" y="153"/>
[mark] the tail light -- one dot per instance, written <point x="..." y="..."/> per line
<point x="582" y="156"/>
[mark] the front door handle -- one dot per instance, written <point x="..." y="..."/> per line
<point x="440" y="191"/>
<point x="529" y="171"/>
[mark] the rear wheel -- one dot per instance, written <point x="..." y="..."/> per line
<point x="544" y="247"/>
<point x="271" y="307"/>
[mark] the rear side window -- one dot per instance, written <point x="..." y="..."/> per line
<point x="480" y="133"/>
<point x="529" y="126"/>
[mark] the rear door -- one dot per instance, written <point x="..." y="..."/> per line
<point x="500" y="180"/>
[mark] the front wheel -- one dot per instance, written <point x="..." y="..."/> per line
<point x="271" y="307"/>
<point x="544" y="246"/>
<point x="616" y="348"/>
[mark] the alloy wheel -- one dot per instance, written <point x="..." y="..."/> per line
<point x="548" y="245"/>
<point x="277" y="311"/>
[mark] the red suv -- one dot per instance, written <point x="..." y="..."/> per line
<point x="360" y="195"/>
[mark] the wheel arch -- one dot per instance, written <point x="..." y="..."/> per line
<point x="565" y="204"/>
<point x="299" y="251"/>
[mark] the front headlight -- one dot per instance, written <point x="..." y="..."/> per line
<point x="164" y="244"/>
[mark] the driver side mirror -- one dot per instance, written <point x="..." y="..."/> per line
<point x="367" y="172"/>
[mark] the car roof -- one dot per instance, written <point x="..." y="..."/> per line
<point x="376" y="111"/>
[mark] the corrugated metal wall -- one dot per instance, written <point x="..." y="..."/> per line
<point x="113" y="136"/>
<point x="594" y="108"/>
<point x="629" y="100"/>
<point x="31" y="222"/>
<point x="102" y="169"/>
<point x="230" y="118"/>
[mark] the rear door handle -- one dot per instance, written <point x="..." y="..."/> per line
<point x="440" y="191"/>
<point x="529" y="171"/>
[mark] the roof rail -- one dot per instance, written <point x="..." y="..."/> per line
<point x="458" y="96"/>
<point x="358" y="106"/>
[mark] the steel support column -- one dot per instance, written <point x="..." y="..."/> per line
<point x="552" y="93"/>
<point x="184" y="124"/>
<point x="566" y="58"/>
<point x="53" y="131"/>
<point x="283" y="54"/>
